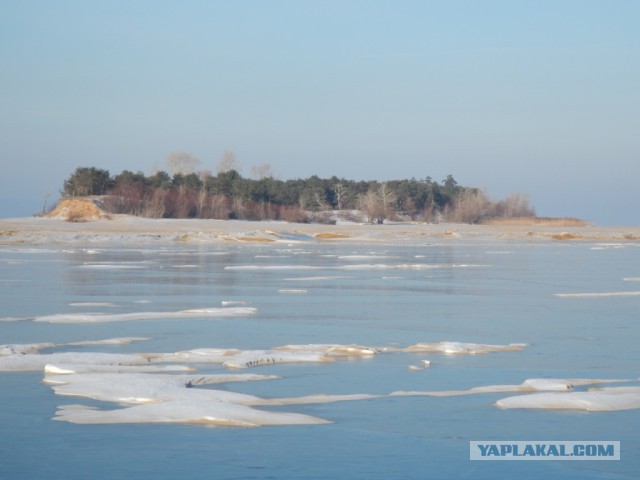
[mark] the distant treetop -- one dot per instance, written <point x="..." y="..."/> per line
<point x="188" y="193"/>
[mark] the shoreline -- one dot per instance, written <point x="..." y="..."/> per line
<point x="42" y="231"/>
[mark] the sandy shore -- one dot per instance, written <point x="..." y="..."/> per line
<point x="35" y="231"/>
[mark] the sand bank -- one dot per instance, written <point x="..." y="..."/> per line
<point x="41" y="231"/>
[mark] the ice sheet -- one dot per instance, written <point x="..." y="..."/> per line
<point x="35" y="362"/>
<point x="123" y="317"/>
<point x="460" y="348"/>
<point x="194" y="411"/>
<point x="597" y="294"/>
<point x="529" y="385"/>
<point x="92" y="304"/>
<point x="601" y="400"/>
<point x="150" y="392"/>
<point x="70" y="368"/>
<point x="25" y="348"/>
<point x="254" y="358"/>
<point x="332" y="349"/>
<point x="160" y="398"/>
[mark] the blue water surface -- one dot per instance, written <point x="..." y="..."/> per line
<point x="307" y="291"/>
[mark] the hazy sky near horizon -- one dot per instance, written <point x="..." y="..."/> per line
<point x="539" y="97"/>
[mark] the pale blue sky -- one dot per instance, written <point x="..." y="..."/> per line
<point x="539" y="97"/>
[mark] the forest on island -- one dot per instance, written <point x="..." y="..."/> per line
<point x="183" y="191"/>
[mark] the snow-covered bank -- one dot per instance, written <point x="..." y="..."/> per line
<point x="42" y="231"/>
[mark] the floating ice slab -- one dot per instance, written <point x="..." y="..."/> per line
<point x="254" y="358"/>
<point x="191" y="411"/>
<point x="149" y="388"/>
<point x="111" y="266"/>
<point x="198" y="355"/>
<point x="92" y="304"/>
<point x="318" y="398"/>
<point x="35" y="362"/>
<point x="459" y="348"/>
<point x="362" y="257"/>
<point x="597" y="294"/>
<point x="69" y="368"/>
<point x="272" y="267"/>
<point x="158" y="398"/>
<point x="20" y="349"/>
<point x="24" y="348"/>
<point x="331" y="349"/>
<point x="317" y="278"/>
<point x="109" y="341"/>
<point x="603" y="400"/>
<point x="163" y="398"/>
<point x="123" y="317"/>
<point x="529" y="385"/>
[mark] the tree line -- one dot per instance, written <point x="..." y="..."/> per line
<point x="185" y="193"/>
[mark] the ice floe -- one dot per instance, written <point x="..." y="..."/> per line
<point x="190" y="411"/>
<point x="529" y="385"/>
<point x="164" y="398"/>
<point x="416" y="368"/>
<point x="123" y="317"/>
<point x="355" y="267"/>
<point x="234" y="358"/>
<point x="424" y="266"/>
<point x="23" y="349"/>
<point x="25" y="357"/>
<point x="35" y="362"/>
<point x="158" y="398"/>
<point x="164" y="387"/>
<point x="597" y="294"/>
<point x="148" y="388"/>
<point x="27" y="348"/>
<point x="332" y="349"/>
<point x="111" y="266"/>
<point x="460" y="348"/>
<point x="363" y="257"/>
<point x="272" y="267"/>
<point x="317" y="278"/>
<point x="108" y="341"/>
<point x="92" y="304"/>
<point x="71" y="368"/>
<point x="317" y="398"/>
<point x="254" y="358"/>
<point x="231" y="303"/>
<point x="594" y="400"/>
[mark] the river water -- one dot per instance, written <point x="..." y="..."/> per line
<point x="575" y="305"/>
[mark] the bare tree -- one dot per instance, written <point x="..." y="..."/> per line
<point x="203" y="175"/>
<point x="155" y="207"/>
<point x="388" y="198"/>
<point x="219" y="207"/>
<point x="470" y="206"/>
<point x="228" y="162"/>
<point x="182" y="163"/>
<point x="371" y="206"/>
<point x="516" y="205"/>
<point x="47" y="193"/>
<point x="239" y="208"/>
<point x="203" y="193"/>
<point x="340" y="192"/>
<point x="320" y="201"/>
<point x="261" y="171"/>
